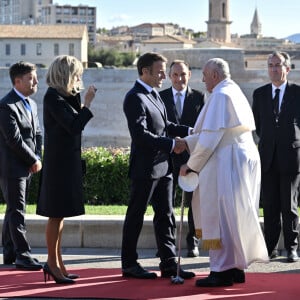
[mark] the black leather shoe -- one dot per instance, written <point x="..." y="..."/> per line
<point x="170" y="269"/>
<point x="292" y="256"/>
<point x="216" y="279"/>
<point x="274" y="254"/>
<point x="28" y="263"/>
<point x="238" y="275"/>
<point x="137" y="271"/>
<point x="193" y="252"/>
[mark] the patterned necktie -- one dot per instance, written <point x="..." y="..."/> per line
<point x="178" y="104"/>
<point x="276" y="102"/>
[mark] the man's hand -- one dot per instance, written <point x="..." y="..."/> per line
<point x="180" y="145"/>
<point x="184" y="169"/>
<point x="36" y="167"/>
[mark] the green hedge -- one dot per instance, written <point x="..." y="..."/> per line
<point x="106" y="181"/>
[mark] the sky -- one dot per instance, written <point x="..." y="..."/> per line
<point x="279" y="18"/>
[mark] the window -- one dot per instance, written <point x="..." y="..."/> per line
<point x="56" y="49"/>
<point x="67" y="11"/>
<point x="39" y="49"/>
<point x="90" y="11"/>
<point x="82" y="11"/>
<point x="71" y="49"/>
<point x="23" y="49"/>
<point x="7" y="49"/>
<point x="223" y="10"/>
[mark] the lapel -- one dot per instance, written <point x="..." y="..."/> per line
<point x="33" y="113"/>
<point x="23" y="111"/>
<point x="269" y="100"/>
<point x="187" y="103"/>
<point x="171" y="108"/>
<point x="158" y="103"/>
<point x="285" y="99"/>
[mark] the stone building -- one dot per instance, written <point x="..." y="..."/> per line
<point x="32" y="12"/>
<point x="218" y="24"/>
<point x="39" y="44"/>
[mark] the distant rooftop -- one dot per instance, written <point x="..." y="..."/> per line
<point x="42" y="31"/>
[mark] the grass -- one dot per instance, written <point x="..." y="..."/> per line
<point x="103" y="210"/>
<point x="93" y="209"/>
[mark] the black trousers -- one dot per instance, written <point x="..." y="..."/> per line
<point x="159" y="193"/>
<point x="14" y="239"/>
<point x="280" y="203"/>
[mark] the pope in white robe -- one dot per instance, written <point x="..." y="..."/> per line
<point x="226" y="201"/>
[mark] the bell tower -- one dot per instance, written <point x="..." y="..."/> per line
<point x="218" y="25"/>
<point x="256" y="25"/>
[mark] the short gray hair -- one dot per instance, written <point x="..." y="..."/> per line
<point x="220" y="66"/>
<point x="283" y="56"/>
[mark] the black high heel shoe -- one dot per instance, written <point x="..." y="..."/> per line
<point x="72" y="276"/>
<point x="47" y="273"/>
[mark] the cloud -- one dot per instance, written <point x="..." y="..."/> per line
<point x="118" y="18"/>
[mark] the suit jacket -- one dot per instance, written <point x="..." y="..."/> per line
<point x="193" y="103"/>
<point x="20" y="138"/>
<point x="283" y="135"/>
<point x="149" y="130"/>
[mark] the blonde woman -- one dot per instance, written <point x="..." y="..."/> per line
<point x="61" y="192"/>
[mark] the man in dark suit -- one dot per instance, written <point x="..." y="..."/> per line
<point x="276" y="108"/>
<point x="150" y="169"/>
<point x="20" y="152"/>
<point x="189" y="102"/>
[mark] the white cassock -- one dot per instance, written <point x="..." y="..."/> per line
<point x="225" y="203"/>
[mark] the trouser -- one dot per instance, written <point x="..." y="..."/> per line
<point x="159" y="191"/>
<point x="14" y="239"/>
<point x="280" y="203"/>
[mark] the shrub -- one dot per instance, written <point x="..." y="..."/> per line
<point x="106" y="180"/>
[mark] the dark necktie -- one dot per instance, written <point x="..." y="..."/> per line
<point x="276" y="102"/>
<point x="27" y="107"/>
<point x="158" y="102"/>
<point x="154" y="94"/>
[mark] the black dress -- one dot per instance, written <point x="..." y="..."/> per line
<point x="61" y="190"/>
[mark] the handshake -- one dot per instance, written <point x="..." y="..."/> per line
<point x="180" y="145"/>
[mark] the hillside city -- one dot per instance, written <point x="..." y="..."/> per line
<point x="47" y="29"/>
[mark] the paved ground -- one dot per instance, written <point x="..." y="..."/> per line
<point x="110" y="258"/>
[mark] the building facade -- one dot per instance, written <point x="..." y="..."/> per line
<point x="22" y="11"/>
<point x="69" y="14"/>
<point x="45" y="12"/>
<point x="39" y="44"/>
